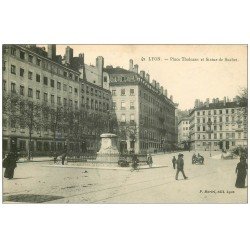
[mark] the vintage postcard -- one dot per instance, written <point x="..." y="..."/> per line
<point x="121" y="124"/>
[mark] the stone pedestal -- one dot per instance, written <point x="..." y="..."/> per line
<point x="108" y="152"/>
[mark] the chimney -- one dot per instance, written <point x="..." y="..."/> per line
<point x="131" y="65"/>
<point x="154" y="83"/>
<point x="142" y="74"/>
<point x="166" y="92"/>
<point x="171" y="98"/>
<point x="81" y="59"/>
<point x="99" y="66"/>
<point x="157" y="85"/>
<point x="148" y="77"/>
<point x="214" y="100"/>
<point x="196" y="103"/>
<point x="224" y="101"/>
<point x="52" y="51"/>
<point x="207" y="100"/>
<point x="162" y="90"/>
<point x="68" y="55"/>
<point x="136" y="67"/>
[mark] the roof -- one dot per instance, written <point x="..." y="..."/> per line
<point x="184" y="119"/>
<point x="219" y="105"/>
<point x="117" y="71"/>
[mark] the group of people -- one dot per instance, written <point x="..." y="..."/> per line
<point x="241" y="169"/>
<point x="199" y="159"/>
<point x="10" y="163"/>
<point x="135" y="161"/>
<point x="63" y="157"/>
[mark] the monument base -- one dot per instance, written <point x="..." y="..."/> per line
<point x="108" y="152"/>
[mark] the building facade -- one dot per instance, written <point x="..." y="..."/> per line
<point x="218" y="125"/>
<point x="144" y="114"/>
<point x="66" y="104"/>
<point x="183" y="132"/>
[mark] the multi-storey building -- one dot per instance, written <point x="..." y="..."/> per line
<point x="183" y="132"/>
<point x="218" y="125"/>
<point x="144" y="112"/>
<point x="32" y="74"/>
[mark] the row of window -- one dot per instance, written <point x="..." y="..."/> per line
<point x="227" y="119"/>
<point x="45" y="80"/>
<point x="39" y="62"/>
<point x="91" y="92"/>
<point x="215" y="112"/>
<point x="94" y="104"/>
<point x="205" y="144"/>
<point x="123" y="92"/>
<point x="90" y="103"/>
<point x="59" y="85"/>
<point x="220" y="136"/>
<point x="123" y="118"/>
<point x="215" y="127"/>
<point x="123" y="105"/>
<point x="22" y="92"/>
<point x="122" y="78"/>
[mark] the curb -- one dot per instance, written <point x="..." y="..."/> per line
<point x="145" y="167"/>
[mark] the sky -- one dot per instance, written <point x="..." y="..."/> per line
<point x="185" y="79"/>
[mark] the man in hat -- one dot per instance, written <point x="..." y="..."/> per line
<point x="180" y="165"/>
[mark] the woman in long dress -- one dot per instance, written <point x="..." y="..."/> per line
<point x="10" y="165"/>
<point x="241" y="171"/>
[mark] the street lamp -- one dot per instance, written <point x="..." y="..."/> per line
<point x="162" y="142"/>
<point x="209" y="131"/>
<point x="108" y="112"/>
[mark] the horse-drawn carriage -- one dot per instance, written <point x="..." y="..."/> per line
<point x="198" y="160"/>
<point x="228" y="155"/>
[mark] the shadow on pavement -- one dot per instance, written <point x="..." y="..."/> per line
<point x="30" y="198"/>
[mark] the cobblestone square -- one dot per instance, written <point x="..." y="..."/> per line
<point x="213" y="182"/>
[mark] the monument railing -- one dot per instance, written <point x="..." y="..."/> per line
<point x="103" y="159"/>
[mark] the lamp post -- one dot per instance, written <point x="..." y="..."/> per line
<point x="108" y="112"/>
<point x="209" y="131"/>
<point x="146" y="136"/>
<point x="162" y="142"/>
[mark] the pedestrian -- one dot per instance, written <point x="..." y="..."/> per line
<point x="194" y="158"/>
<point x="9" y="163"/>
<point x="180" y="167"/>
<point x="150" y="160"/>
<point x="174" y="161"/>
<point x="135" y="162"/>
<point x="200" y="159"/>
<point x="241" y="171"/>
<point x="55" y="157"/>
<point x="63" y="157"/>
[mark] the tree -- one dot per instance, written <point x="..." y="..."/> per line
<point x="24" y="113"/>
<point x="243" y="97"/>
<point x="54" y="121"/>
<point x="128" y="130"/>
<point x="30" y="118"/>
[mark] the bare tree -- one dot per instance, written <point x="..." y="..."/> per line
<point x="22" y="112"/>
<point x="30" y="118"/>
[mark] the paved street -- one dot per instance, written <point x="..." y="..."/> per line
<point x="43" y="182"/>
